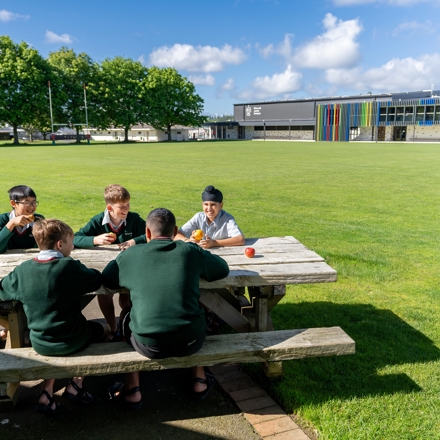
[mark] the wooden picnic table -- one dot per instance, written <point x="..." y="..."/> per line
<point x="278" y="261"/>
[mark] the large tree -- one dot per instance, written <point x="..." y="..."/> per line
<point x="24" y="76"/>
<point x="172" y="100"/>
<point x="73" y="71"/>
<point x="120" y="94"/>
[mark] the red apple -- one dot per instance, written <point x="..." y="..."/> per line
<point x="249" y="252"/>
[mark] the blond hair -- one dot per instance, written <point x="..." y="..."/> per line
<point x="48" y="231"/>
<point x="116" y="194"/>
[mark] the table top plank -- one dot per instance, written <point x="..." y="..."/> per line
<point x="278" y="261"/>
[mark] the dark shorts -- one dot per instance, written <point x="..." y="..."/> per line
<point x="179" y="349"/>
<point x="97" y="334"/>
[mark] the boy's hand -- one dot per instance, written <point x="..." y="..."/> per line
<point x="21" y="220"/>
<point x="207" y="243"/>
<point x="126" y="244"/>
<point x="103" y="239"/>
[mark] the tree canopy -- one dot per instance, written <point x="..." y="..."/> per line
<point x="121" y="92"/>
<point x="172" y="100"/>
<point x="24" y="76"/>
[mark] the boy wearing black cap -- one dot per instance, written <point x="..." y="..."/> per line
<point x="219" y="228"/>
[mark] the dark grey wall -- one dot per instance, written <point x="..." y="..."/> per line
<point x="273" y="111"/>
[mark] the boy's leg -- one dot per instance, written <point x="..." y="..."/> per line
<point x="124" y="300"/>
<point x="199" y="372"/>
<point x="108" y="310"/>
<point x="48" y="388"/>
<point x="74" y="391"/>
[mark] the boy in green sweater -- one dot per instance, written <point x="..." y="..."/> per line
<point x="115" y="225"/>
<point x="16" y="226"/>
<point x="166" y="318"/>
<point x="50" y="287"/>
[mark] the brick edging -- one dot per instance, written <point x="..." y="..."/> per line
<point x="267" y="418"/>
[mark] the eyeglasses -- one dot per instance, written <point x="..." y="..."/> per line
<point x="27" y="203"/>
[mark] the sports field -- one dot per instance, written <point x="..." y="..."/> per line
<point x="372" y="210"/>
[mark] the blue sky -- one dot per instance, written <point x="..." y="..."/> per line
<point x="249" y="50"/>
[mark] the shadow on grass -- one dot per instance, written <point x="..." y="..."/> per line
<point x="382" y="339"/>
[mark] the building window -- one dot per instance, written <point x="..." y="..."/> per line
<point x="139" y="132"/>
<point x="437" y="113"/>
<point x="420" y="113"/>
<point x="391" y="117"/>
<point x="399" y="114"/>
<point x="383" y="114"/>
<point x="429" y="113"/>
<point x="179" y="132"/>
<point x="409" y="113"/>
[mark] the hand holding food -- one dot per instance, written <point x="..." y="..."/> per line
<point x="197" y="234"/>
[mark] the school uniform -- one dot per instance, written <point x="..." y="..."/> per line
<point x="133" y="227"/>
<point x="19" y="237"/>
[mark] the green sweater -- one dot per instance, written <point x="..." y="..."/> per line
<point x="50" y="291"/>
<point x="163" y="279"/>
<point x="13" y="240"/>
<point x="134" y="228"/>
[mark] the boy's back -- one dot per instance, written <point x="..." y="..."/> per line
<point x="50" y="291"/>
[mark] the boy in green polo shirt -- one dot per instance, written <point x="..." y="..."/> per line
<point x="115" y="225"/>
<point x="50" y="287"/>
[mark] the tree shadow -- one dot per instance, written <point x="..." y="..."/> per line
<point x="382" y="340"/>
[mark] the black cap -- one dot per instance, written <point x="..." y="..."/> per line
<point x="212" y="194"/>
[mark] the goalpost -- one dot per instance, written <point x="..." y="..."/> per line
<point x="66" y="124"/>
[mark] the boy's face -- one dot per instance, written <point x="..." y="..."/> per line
<point x="211" y="209"/>
<point x="26" y="206"/>
<point x="65" y="246"/>
<point x="119" y="210"/>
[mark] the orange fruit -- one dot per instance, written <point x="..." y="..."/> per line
<point x="198" y="234"/>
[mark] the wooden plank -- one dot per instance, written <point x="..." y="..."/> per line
<point x="223" y="309"/>
<point x="255" y="275"/>
<point x="263" y="249"/>
<point x="101" y="359"/>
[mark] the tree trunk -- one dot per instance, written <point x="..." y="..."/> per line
<point x="78" y="140"/>
<point x="15" y="126"/>
<point x="126" y="134"/>
<point x="169" y="133"/>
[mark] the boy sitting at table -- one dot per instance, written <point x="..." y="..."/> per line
<point x="50" y="287"/>
<point x="219" y="228"/>
<point x="166" y="318"/>
<point x="115" y="225"/>
<point x="16" y="227"/>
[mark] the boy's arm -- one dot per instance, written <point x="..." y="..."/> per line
<point x="110" y="275"/>
<point x="233" y="241"/>
<point x="184" y="233"/>
<point x="89" y="279"/>
<point x="7" y="291"/>
<point x="84" y="238"/>
<point x="214" y="267"/>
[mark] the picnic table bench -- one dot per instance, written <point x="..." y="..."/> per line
<point x="278" y="261"/>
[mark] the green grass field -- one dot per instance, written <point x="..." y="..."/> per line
<point x="372" y="210"/>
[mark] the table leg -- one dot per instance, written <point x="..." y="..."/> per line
<point x="222" y="308"/>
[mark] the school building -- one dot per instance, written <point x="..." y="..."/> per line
<point x="407" y="116"/>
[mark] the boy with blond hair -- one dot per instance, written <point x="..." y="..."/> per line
<point x="115" y="225"/>
<point x="50" y="287"/>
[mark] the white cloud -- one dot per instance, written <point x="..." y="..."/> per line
<point x="202" y="80"/>
<point x="228" y="85"/>
<point x="141" y="59"/>
<point x="336" y="48"/>
<point x="283" y="83"/>
<point x="411" y="27"/>
<point x="51" y="37"/>
<point x="391" y="2"/>
<point x="6" y="16"/>
<point x="284" y="48"/>
<point x="197" y="58"/>
<point x="395" y="75"/>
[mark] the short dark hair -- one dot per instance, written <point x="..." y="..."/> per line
<point x="161" y="221"/>
<point x="20" y="192"/>
<point x="47" y="232"/>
